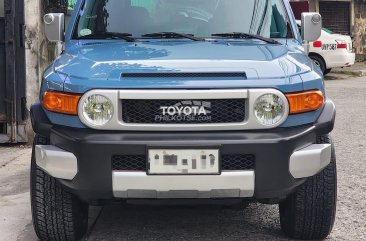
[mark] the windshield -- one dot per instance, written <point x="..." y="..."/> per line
<point x="201" y="18"/>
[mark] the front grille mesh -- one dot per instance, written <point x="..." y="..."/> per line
<point x="238" y="162"/>
<point x="129" y="162"/>
<point x="150" y="112"/>
<point x="138" y="162"/>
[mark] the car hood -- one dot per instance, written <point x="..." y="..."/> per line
<point x="102" y="64"/>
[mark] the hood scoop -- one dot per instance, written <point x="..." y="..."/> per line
<point x="190" y="75"/>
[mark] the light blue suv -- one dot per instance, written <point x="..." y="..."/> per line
<point x="183" y="99"/>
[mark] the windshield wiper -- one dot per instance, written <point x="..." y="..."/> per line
<point x="236" y="35"/>
<point x="109" y="35"/>
<point x="172" y="35"/>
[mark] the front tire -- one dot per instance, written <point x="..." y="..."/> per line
<point x="309" y="213"/>
<point x="57" y="214"/>
<point x="327" y="71"/>
<point x="319" y="62"/>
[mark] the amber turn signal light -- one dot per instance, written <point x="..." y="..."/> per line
<point x="59" y="102"/>
<point x="305" y="101"/>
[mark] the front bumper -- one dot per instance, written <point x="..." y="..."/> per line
<point x="238" y="184"/>
<point x="335" y="59"/>
<point x="278" y="152"/>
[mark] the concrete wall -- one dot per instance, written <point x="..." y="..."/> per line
<point x="360" y="38"/>
<point x="359" y="29"/>
<point x="39" y="52"/>
<point x="314" y="6"/>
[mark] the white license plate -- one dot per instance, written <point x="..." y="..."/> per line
<point x="183" y="161"/>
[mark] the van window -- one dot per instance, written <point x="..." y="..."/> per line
<point x="201" y="18"/>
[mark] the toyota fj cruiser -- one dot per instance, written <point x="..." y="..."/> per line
<point x="183" y="99"/>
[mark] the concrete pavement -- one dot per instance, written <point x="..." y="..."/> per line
<point x="15" y="214"/>
<point x="358" y="70"/>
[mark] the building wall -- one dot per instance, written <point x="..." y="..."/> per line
<point x="38" y="52"/>
<point x="313" y="5"/>
<point x="359" y="28"/>
<point x="340" y="24"/>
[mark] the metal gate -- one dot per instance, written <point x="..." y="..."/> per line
<point x="13" y="112"/>
<point x="336" y="16"/>
<point x="2" y="67"/>
<point x="299" y="7"/>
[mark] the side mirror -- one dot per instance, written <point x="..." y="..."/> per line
<point x="55" y="27"/>
<point x="311" y="28"/>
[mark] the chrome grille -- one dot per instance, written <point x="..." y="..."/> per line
<point x="215" y="111"/>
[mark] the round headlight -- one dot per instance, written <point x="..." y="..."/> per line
<point x="269" y="109"/>
<point x="97" y="110"/>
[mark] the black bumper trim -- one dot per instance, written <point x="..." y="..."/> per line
<point x="40" y="122"/>
<point x="94" y="150"/>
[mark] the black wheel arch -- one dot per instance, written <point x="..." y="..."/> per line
<point x="319" y="56"/>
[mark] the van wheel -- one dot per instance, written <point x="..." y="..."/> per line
<point x="327" y="71"/>
<point x="57" y="214"/>
<point x="309" y="212"/>
<point x="319" y="62"/>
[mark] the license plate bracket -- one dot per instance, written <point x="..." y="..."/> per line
<point x="183" y="161"/>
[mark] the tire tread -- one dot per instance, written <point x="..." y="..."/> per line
<point x="309" y="213"/>
<point x="57" y="214"/>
